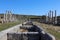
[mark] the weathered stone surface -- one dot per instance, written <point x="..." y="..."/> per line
<point x="14" y="36"/>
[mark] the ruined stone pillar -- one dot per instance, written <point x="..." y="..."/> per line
<point x="4" y="17"/>
<point x="55" y="17"/>
<point x="10" y="16"/>
<point x="52" y="18"/>
<point x="46" y="18"/>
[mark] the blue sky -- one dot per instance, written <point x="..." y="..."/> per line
<point x="30" y="7"/>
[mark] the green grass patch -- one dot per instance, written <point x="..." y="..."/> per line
<point x="8" y="25"/>
<point x="55" y="33"/>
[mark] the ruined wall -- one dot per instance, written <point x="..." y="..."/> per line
<point x="3" y="34"/>
<point x="42" y="35"/>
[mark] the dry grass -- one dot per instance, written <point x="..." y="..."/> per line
<point x="23" y="30"/>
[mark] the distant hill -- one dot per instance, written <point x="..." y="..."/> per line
<point x="22" y="16"/>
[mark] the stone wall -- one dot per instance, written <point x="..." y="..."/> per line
<point x="23" y="36"/>
<point x="3" y="34"/>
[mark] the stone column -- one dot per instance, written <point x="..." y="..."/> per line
<point x="10" y="16"/>
<point x="55" y="17"/>
<point x="4" y="17"/>
<point x="46" y="18"/>
<point x="52" y="18"/>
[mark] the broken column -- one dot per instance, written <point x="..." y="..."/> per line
<point x="52" y="18"/>
<point x="55" y="18"/>
<point x="46" y="18"/>
<point x="4" y="17"/>
<point x="49" y="16"/>
<point x="10" y="16"/>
